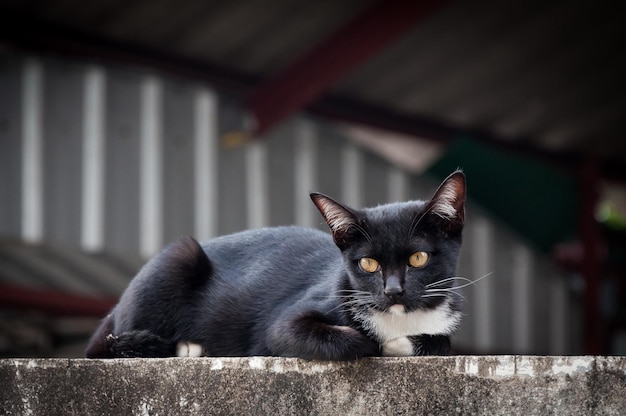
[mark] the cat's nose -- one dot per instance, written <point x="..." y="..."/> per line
<point x="394" y="292"/>
<point x="393" y="288"/>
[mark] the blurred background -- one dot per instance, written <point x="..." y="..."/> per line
<point x="127" y="124"/>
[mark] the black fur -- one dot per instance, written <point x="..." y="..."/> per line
<point x="289" y="291"/>
<point x="430" y="344"/>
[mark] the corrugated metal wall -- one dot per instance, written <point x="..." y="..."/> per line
<point x="125" y="160"/>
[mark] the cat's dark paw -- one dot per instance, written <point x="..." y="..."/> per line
<point x="356" y="344"/>
<point x="135" y="344"/>
<point x="313" y="336"/>
<point x="340" y="342"/>
<point x="431" y="344"/>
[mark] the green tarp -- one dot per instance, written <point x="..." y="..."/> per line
<point x="537" y="200"/>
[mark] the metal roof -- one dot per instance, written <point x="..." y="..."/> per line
<point x="62" y="281"/>
<point x="539" y="77"/>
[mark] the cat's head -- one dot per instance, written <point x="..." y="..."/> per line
<point x="396" y="254"/>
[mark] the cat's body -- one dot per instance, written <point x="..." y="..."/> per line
<point x="291" y="291"/>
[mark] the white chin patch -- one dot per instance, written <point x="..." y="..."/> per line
<point x="399" y="347"/>
<point x="397" y="309"/>
<point x="396" y="322"/>
<point x="188" y="349"/>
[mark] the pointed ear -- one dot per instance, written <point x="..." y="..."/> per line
<point x="448" y="202"/>
<point x="338" y="217"/>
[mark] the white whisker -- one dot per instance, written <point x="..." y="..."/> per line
<point x="469" y="281"/>
<point x="474" y="281"/>
<point x="417" y="220"/>
<point x="440" y="295"/>
<point x="431" y="290"/>
<point x="449" y="279"/>
<point x="352" y="299"/>
<point x="362" y="231"/>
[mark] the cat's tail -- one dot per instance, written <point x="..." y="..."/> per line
<point x="141" y="344"/>
<point x="155" y="305"/>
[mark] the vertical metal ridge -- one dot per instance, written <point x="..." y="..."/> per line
<point x="257" y="185"/>
<point x="305" y="172"/>
<point x="397" y="184"/>
<point x="93" y="181"/>
<point x="483" y="320"/>
<point x="351" y="176"/>
<point x="32" y="152"/>
<point x="205" y="163"/>
<point x="559" y="313"/>
<point x="521" y="277"/>
<point x="151" y="181"/>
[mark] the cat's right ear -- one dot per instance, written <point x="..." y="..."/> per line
<point x="448" y="202"/>
<point x="339" y="218"/>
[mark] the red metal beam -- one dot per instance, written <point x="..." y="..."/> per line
<point x="313" y="74"/>
<point x="53" y="302"/>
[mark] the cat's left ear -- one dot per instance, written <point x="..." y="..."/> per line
<point x="448" y="202"/>
<point x="339" y="218"/>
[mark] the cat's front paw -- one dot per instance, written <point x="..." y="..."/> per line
<point x="353" y="343"/>
<point x="398" y="347"/>
<point x="189" y="349"/>
<point x="431" y="344"/>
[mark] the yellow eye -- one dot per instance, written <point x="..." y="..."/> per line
<point x="418" y="259"/>
<point x="369" y="265"/>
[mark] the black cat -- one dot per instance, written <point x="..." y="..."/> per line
<point x="384" y="287"/>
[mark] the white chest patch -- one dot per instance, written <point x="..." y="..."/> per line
<point x="399" y="347"/>
<point x="391" y="326"/>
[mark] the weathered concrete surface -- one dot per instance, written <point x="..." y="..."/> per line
<point x="277" y="386"/>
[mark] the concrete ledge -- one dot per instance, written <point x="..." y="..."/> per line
<point x="278" y="386"/>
